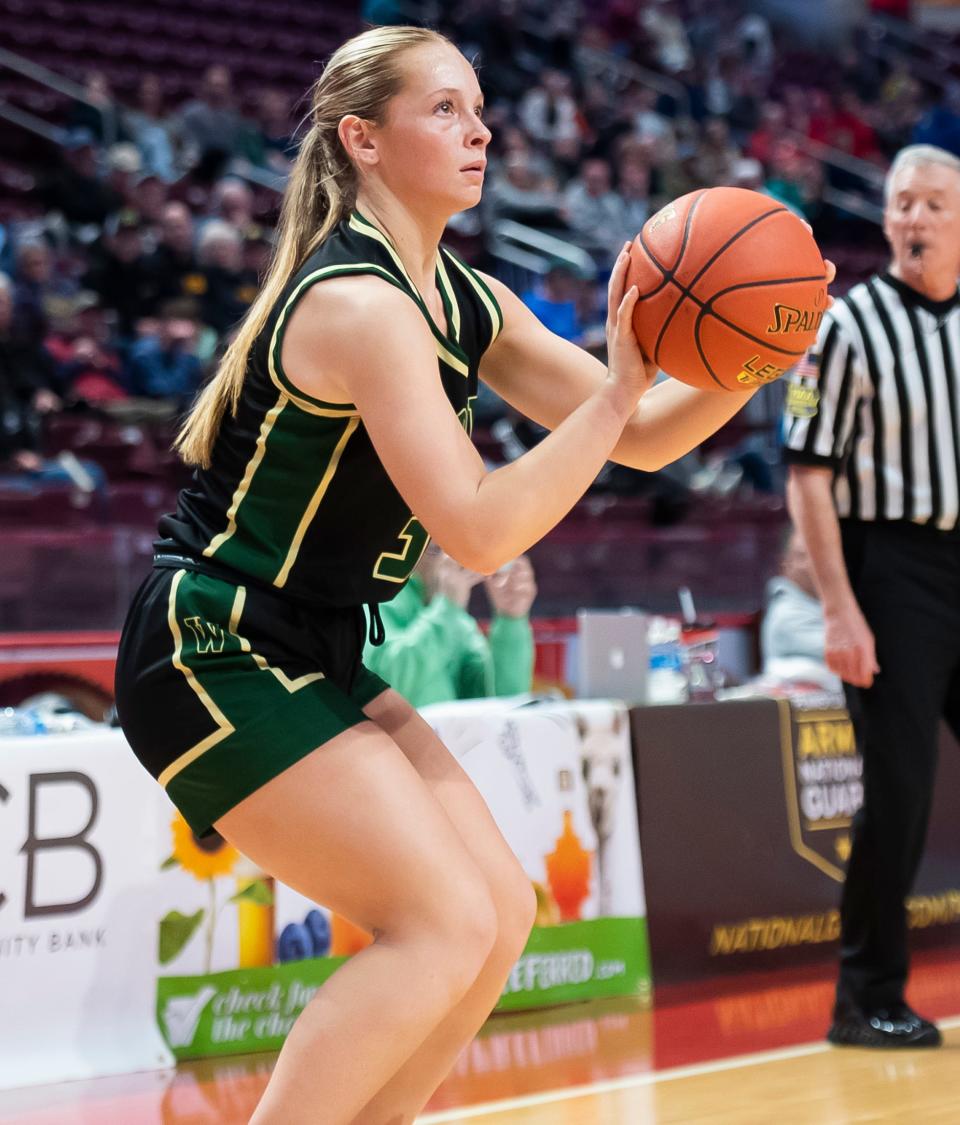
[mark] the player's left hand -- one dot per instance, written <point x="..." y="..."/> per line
<point x="625" y="358"/>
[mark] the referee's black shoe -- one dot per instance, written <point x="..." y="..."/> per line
<point x="896" y="1026"/>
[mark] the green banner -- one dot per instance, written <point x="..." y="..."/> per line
<point x="245" y="1010"/>
<point x="580" y="961"/>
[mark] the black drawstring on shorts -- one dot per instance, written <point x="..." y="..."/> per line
<point x="377" y="635"/>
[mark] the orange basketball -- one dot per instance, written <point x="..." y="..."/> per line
<point x="732" y="288"/>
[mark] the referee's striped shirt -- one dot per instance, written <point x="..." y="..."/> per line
<point x="878" y="400"/>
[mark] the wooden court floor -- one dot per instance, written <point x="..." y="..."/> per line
<point x="744" y="1051"/>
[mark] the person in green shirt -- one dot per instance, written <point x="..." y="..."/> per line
<point x="434" y="649"/>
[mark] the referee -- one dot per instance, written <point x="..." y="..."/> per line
<point x="873" y="445"/>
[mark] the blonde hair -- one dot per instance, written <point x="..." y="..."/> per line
<point x="360" y="78"/>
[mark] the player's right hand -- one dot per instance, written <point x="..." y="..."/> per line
<point x="850" y="648"/>
<point x="629" y="368"/>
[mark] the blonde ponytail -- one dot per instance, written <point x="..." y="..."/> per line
<point x="360" y="78"/>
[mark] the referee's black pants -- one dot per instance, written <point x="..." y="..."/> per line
<point x="906" y="579"/>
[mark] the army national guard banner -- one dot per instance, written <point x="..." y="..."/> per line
<point x="745" y="811"/>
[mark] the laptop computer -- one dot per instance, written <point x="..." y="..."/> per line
<point x="613" y="654"/>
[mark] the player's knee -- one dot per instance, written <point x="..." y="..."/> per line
<point x="516" y="911"/>
<point x="468" y="934"/>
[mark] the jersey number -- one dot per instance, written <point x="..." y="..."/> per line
<point x="397" y="566"/>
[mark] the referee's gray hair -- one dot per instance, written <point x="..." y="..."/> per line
<point x="916" y="156"/>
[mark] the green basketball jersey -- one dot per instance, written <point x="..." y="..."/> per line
<point x="296" y="497"/>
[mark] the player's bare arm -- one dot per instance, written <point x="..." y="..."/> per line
<point x="546" y="377"/>
<point x="379" y="354"/>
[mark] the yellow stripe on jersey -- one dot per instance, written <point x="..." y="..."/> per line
<point x="486" y="297"/>
<point x="291" y="686"/>
<point x="451" y="297"/>
<point x="280" y="380"/>
<point x="247" y="479"/>
<point x="224" y="727"/>
<point x="315" y="502"/>
<point x="361" y="226"/>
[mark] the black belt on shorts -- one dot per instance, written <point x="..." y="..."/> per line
<point x="167" y="560"/>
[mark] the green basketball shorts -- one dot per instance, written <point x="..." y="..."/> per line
<point x="220" y="687"/>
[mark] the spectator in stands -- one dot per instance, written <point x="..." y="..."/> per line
<point x="27" y="389"/>
<point x="512" y="141"/>
<point x="89" y="365"/>
<point x="860" y="71"/>
<point x="720" y="77"/>
<point x="232" y="201"/>
<point x="649" y="126"/>
<point x="98" y="112"/>
<point x="602" y="115"/>
<point x="839" y="122"/>
<point x="34" y="271"/>
<point x="748" y="173"/>
<point x="150" y="200"/>
<point x="772" y="126"/>
<point x="795" y="179"/>
<point x="663" y="23"/>
<point x="226" y="296"/>
<point x="121" y="275"/>
<point x="633" y="184"/>
<point x="75" y="189"/>
<point x="165" y="365"/>
<point x="744" y="112"/>
<point x="434" y="650"/>
<point x="549" y="112"/>
<point x="799" y="110"/>
<point x="675" y="174"/>
<point x="124" y="166"/>
<point x="716" y="155"/>
<point x="257" y="248"/>
<point x="173" y="265"/>
<point x="517" y="191"/>
<point x="939" y="123"/>
<point x="276" y="146"/>
<point x="554" y="301"/>
<point x="497" y="33"/>
<point x="595" y="212"/>
<point x="756" y="47"/>
<point x="152" y="130"/>
<point x="211" y="126"/>
<point x="898" y="108"/>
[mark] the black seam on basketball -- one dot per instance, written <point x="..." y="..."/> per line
<point x="707" y="309"/>
<point x="733" y="238"/>
<point x="703" y="355"/>
<point x="669" y="271"/>
<point x="761" y="284"/>
<point x="681" y="287"/>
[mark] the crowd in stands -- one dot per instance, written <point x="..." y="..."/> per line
<point x="148" y="240"/>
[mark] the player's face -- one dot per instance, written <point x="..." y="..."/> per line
<point x="433" y="141"/>
<point x="922" y="222"/>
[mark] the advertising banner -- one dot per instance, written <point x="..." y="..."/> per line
<point x="242" y="954"/>
<point x="745" y="818"/>
<point x="126" y="941"/>
<point x="78" y="836"/>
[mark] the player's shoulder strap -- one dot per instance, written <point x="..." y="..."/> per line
<point x="461" y="278"/>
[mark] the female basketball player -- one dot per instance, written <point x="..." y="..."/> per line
<point x="343" y="407"/>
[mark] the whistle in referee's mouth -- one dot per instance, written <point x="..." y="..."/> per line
<point x="916" y="249"/>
